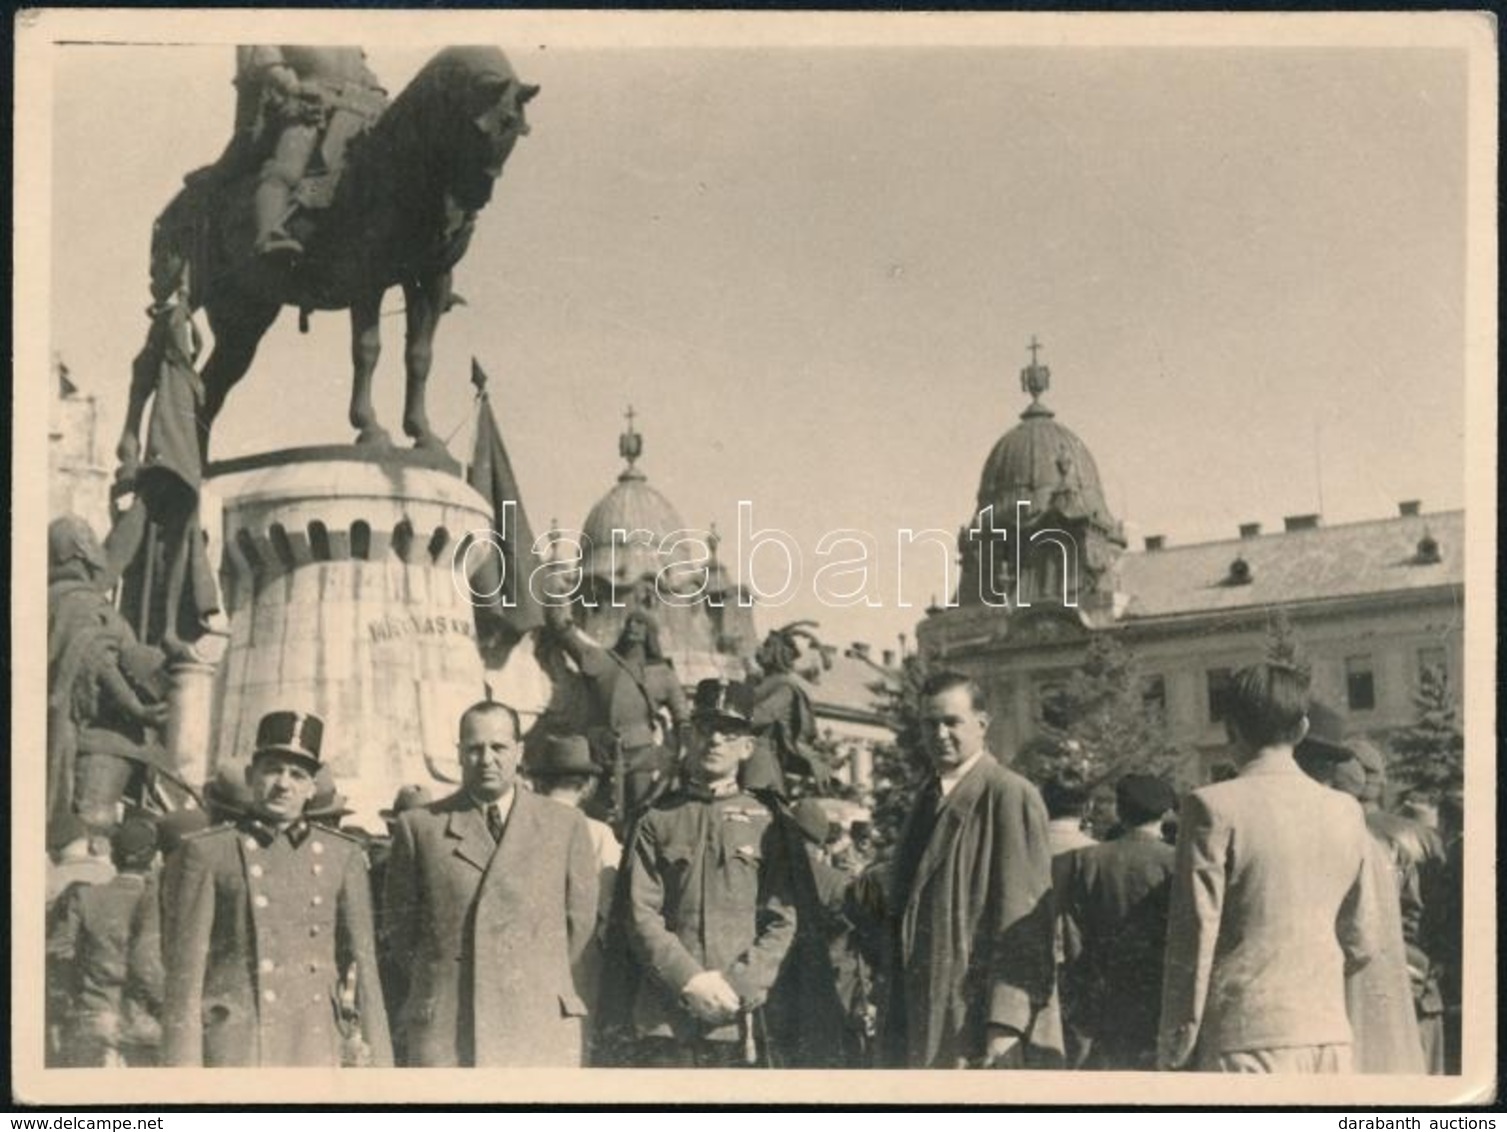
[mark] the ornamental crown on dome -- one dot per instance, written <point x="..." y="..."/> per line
<point x="1035" y="378"/>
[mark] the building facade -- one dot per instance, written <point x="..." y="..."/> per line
<point x="1372" y="603"/>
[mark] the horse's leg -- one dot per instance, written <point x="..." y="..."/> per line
<point x="366" y="348"/>
<point x="238" y="331"/>
<point x="426" y="302"/>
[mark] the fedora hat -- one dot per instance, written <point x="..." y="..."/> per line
<point x="227" y="793"/>
<point x="327" y="802"/>
<point x="407" y="798"/>
<point x="564" y="754"/>
<point x="812" y="819"/>
<point x="294" y="733"/>
<point x="1325" y="742"/>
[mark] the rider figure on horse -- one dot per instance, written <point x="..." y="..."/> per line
<point x="289" y="100"/>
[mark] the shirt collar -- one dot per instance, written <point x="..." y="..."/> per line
<point x="266" y="833"/>
<point x="1272" y="760"/>
<point x="504" y="804"/>
<point x="717" y="791"/>
<point x="949" y="780"/>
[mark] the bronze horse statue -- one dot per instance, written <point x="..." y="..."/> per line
<point x="401" y="214"/>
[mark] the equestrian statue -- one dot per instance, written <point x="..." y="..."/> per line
<point x="327" y="196"/>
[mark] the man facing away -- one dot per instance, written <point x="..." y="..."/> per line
<point x="104" y="957"/>
<point x="1272" y="901"/>
<point x="261" y="922"/>
<point x="1112" y="900"/>
<point x="492" y="894"/>
<point x="711" y="911"/>
<point x="564" y="772"/>
<point x="971" y="904"/>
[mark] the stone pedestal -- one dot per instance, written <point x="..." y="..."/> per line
<point x="343" y="583"/>
<point x="191" y="701"/>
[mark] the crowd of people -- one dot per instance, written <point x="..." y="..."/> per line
<point x="1280" y="920"/>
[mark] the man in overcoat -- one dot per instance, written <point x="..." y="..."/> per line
<point x="971" y="904"/>
<point x="491" y="893"/>
<point x="1272" y="901"/>
<point x="264" y="921"/>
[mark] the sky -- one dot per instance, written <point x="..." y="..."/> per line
<point x="813" y="272"/>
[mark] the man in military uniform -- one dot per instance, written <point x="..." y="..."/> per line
<point x="291" y="97"/>
<point x="263" y="919"/>
<point x="711" y="907"/>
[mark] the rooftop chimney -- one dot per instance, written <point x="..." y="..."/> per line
<point x="1155" y="542"/>
<point x="1301" y="522"/>
<point x="1408" y="508"/>
<point x="1250" y="530"/>
<point x="889" y="658"/>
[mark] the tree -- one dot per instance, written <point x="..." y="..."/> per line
<point x="1429" y="755"/>
<point x="1100" y="724"/>
<point x="899" y="766"/>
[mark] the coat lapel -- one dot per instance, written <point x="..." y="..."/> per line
<point x="955" y="810"/>
<point x="467" y="829"/>
<point x="518" y="834"/>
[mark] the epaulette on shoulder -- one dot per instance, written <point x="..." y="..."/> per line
<point x="208" y="832"/>
<point x="323" y="830"/>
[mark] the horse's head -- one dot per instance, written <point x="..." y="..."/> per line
<point x="495" y="118"/>
<point x="468" y="108"/>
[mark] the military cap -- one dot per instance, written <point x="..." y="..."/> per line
<point x="812" y="819"/>
<point x="133" y="844"/>
<point x="564" y="754"/>
<point x="407" y="798"/>
<point x="724" y="702"/>
<point x="1143" y="797"/>
<point x="293" y="733"/>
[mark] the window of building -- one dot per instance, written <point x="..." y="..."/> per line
<point x="1219" y="693"/>
<point x="1360" y="683"/>
<point x="1432" y="658"/>
<point x="1154" y="696"/>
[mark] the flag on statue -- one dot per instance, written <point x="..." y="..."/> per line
<point x="500" y="580"/>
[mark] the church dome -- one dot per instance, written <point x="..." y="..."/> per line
<point x="1043" y="463"/>
<point x="631" y="506"/>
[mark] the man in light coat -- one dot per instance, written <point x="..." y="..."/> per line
<point x="491" y="893"/>
<point x="971" y="904"/>
<point x="1272" y="902"/>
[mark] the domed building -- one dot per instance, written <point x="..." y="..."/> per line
<point x="1044" y="566"/>
<point x="1041" y="531"/>
<point x="638" y="553"/>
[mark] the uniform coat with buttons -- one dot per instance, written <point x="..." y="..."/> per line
<point x="259" y="928"/>
<point x="492" y="932"/>
<point x="709" y="890"/>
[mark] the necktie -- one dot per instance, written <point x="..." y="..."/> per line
<point x="494" y="822"/>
